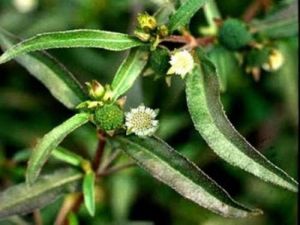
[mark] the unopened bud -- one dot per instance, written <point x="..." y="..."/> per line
<point x="95" y="89"/>
<point x="146" y="22"/>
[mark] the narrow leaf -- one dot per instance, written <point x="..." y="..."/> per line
<point x="22" y="199"/>
<point x="67" y="156"/>
<point x="89" y="192"/>
<point x="72" y="39"/>
<point x="185" y="12"/>
<point x="226" y="65"/>
<point x="59" y="81"/>
<point x="176" y="171"/>
<point x="128" y="72"/>
<point x="49" y="142"/>
<point x="203" y="99"/>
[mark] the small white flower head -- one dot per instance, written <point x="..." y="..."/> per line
<point x="141" y="121"/>
<point x="25" y="6"/>
<point x="182" y="63"/>
<point x="275" y="61"/>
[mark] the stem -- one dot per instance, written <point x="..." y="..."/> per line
<point x="100" y="150"/>
<point x="211" y="13"/>
<point x="189" y="40"/>
<point x="71" y="203"/>
<point x="116" y="169"/>
<point x="37" y="217"/>
<point x="108" y="162"/>
<point x="254" y="8"/>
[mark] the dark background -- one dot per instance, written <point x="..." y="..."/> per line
<point x="265" y="112"/>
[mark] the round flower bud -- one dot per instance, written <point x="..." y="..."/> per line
<point x="109" y="117"/>
<point x="257" y="57"/>
<point x="234" y="34"/>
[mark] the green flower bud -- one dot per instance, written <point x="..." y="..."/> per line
<point x="257" y="57"/>
<point x="146" y="22"/>
<point x="95" y="89"/>
<point x="163" y="31"/>
<point x="159" y="61"/>
<point x="234" y="34"/>
<point x="109" y="117"/>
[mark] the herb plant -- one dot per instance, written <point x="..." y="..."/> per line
<point x="163" y="46"/>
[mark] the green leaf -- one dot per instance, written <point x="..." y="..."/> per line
<point x="22" y="199"/>
<point x="203" y="99"/>
<point x="49" y="142"/>
<point x="59" y="81"/>
<point x="72" y="39"/>
<point x="283" y="23"/>
<point x="185" y="12"/>
<point x="128" y="72"/>
<point x="89" y="192"/>
<point x="226" y="64"/>
<point x="176" y="171"/>
<point x="159" y="61"/>
<point x="72" y="219"/>
<point x="67" y="156"/>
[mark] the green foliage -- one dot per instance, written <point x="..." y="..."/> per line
<point x="59" y="81"/>
<point x="72" y="39"/>
<point x="257" y="57"/>
<point x="213" y="125"/>
<point x="173" y="169"/>
<point x="234" y="34"/>
<point x="184" y="13"/>
<point x="159" y="61"/>
<point x="89" y="192"/>
<point x="128" y="72"/>
<point x="211" y="55"/>
<point x="49" y="142"/>
<point x="22" y="198"/>
<point x="109" y="117"/>
<point x="226" y="64"/>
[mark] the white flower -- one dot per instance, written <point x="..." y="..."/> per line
<point x="275" y="61"/>
<point x="25" y="6"/>
<point x="182" y="63"/>
<point x="141" y="121"/>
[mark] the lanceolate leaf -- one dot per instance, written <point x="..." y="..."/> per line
<point x="207" y="113"/>
<point x="173" y="169"/>
<point x="22" y="199"/>
<point x="72" y="39"/>
<point x="59" y="81"/>
<point x="128" y="72"/>
<point x="185" y="12"/>
<point x="89" y="192"/>
<point x="49" y="142"/>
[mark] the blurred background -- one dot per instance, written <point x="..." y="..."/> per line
<point x="265" y="112"/>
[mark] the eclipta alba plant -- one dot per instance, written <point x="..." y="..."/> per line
<point x="165" y="49"/>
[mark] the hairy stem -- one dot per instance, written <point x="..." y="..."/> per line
<point x="71" y="203"/>
<point x="116" y="169"/>
<point x="100" y="150"/>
